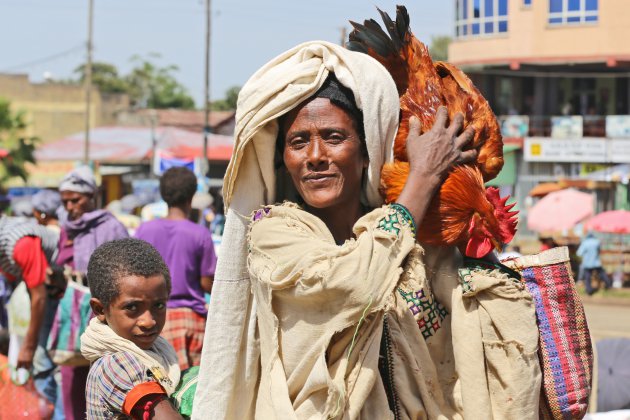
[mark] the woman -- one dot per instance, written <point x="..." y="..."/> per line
<point x="86" y="228"/>
<point x="46" y="204"/>
<point x="336" y="328"/>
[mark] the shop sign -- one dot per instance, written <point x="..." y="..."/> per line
<point x="619" y="150"/>
<point x="514" y="125"/>
<point x="587" y="168"/>
<point x="618" y="126"/>
<point x="594" y="150"/>
<point x="539" y="149"/>
<point x="566" y="127"/>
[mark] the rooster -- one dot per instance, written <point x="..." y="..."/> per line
<point x="463" y="213"/>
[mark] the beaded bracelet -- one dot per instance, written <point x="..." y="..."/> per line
<point x="407" y="218"/>
<point x="147" y="410"/>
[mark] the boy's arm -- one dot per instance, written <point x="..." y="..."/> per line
<point x="206" y="283"/>
<point x="208" y="263"/>
<point x="163" y="410"/>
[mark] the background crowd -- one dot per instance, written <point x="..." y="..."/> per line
<point x="47" y="240"/>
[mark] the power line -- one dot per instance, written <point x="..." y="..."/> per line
<point x="46" y="59"/>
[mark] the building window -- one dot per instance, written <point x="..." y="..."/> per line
<point x="480" y="17"/>
<point x="527" y="3"/>
<point x="571" y="12"/>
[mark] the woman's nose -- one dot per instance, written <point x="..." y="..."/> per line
<point x="316" y="152"/>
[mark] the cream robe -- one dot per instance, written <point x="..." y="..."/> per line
<point x="320" y="314"/>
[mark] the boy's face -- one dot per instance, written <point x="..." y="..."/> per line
<point x="138" y="312"/>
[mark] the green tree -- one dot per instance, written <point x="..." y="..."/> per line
<point x="16" y="149"/>
<point x="151" y="86"/>
<point x="229" y="102"/>
<point x="104" y="76"/>
<point x="439" y="47"/>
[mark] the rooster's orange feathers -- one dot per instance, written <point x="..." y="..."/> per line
<point x="463" y="212"/>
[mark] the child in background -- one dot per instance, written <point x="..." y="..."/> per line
<point x="134" y="371"/>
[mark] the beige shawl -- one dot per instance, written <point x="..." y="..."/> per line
<point x="230" y="363"/>
<point x="460" y="344"/>
<point x="99" y="339"/>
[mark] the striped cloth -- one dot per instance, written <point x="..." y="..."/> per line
<point x="111" y="379"/>
<point x="185" y="329"/>
<point x="565" y="352"/>
<point x="13" y="229"/>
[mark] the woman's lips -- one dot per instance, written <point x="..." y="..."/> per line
<point x="318" y="178"/>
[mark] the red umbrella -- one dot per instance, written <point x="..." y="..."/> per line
<point x="560" y="210"/>
<point x="615" y="221"/>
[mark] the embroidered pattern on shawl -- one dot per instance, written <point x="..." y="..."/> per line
<point x="426" y="310"/>
<point x="397" y="216"/>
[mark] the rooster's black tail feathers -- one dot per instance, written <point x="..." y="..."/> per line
<point x="370" y="35"/>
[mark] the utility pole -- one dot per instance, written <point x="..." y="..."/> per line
<point x="343" y="36"/>
<point x="88" y="84"/>
<point x="206" y="97"/>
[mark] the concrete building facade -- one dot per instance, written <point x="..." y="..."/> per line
<point x="557" y="74"/>
<point x="55" y="110"/>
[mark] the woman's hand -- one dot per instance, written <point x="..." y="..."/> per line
<point x="431" y="156"/>
<point x="435" y="152"/>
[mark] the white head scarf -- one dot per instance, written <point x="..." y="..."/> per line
<point x="230" y="360"/>
<point x="80" y="180"/>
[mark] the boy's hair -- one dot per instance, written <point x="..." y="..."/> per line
<point x="178" y="186"/>
<point x="123" y="257"/>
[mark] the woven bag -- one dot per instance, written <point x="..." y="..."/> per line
<point x="73" y="314"/>
<point x="565" y="351"/>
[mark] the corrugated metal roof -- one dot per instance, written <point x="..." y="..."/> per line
<point x="134" y="144"/>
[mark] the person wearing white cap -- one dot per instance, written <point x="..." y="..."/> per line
<point x="86" y="228"/>
<point x="46" y="204"/>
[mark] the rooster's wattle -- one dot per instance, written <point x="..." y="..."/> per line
<point x="463" y="213"/>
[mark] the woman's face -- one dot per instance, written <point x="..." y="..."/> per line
<point x="76" y="204"/>
<point x="323" y="154"/>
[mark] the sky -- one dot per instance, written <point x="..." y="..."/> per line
<point x="48" y="37"/>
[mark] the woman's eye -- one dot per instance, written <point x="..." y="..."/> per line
<point x="160" y="305"/>
<point x="131" y="308"/>
<point x="336" y="137"/>
<point x="297" y="142"/>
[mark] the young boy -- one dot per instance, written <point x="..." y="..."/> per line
<point x="133" y="370"/>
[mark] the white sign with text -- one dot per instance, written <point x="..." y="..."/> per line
<point x="598" y="150"/>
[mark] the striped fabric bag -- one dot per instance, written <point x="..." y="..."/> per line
<point x="71" y="320"/>
<point x="565" y="352"/>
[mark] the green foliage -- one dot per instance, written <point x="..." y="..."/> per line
<point x="151" y="86"/>
<point x="229" y="102"/>
<point x="439" y="47"/>
<point x="148" y="84"/>
<point x="105" y="77"/>
<point x="12" y="140"/>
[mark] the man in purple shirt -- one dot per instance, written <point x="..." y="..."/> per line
<point x="189" y="254"/>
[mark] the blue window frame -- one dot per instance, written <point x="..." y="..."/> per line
<point x="475" y="18"/>
<point x="573" y="12"/>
